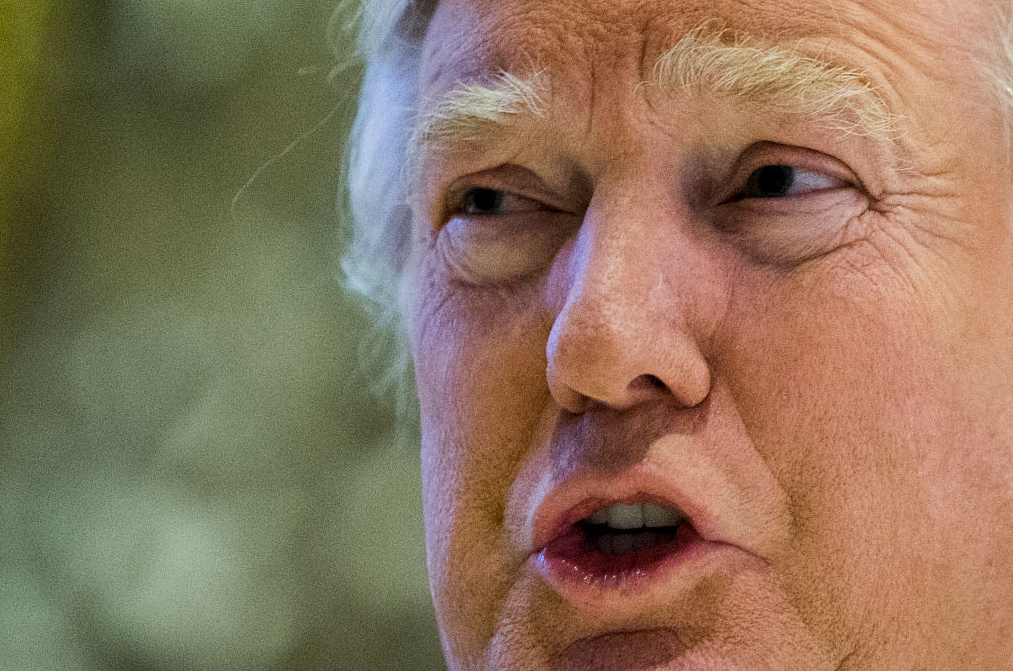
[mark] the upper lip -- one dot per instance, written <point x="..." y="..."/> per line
<point x="576" y="498"/>
<point x="714" y="478"/>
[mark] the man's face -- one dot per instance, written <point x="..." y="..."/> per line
<point x="785" y="331"/>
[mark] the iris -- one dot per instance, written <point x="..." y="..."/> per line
<point x="483" y="201"/>
<point x="770" y="181"/>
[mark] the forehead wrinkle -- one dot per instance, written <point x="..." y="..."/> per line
<point x="471" y="114"/>
<point x="736" y="66"/>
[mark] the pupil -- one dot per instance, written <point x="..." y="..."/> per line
<point x="771" y="181"/>
<point x="483" y="201"/>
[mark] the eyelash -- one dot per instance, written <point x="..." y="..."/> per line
<point x="466" y="202"/>
<point x="756" y="179"/>
<point x="501" y="197"/>
<point x="471" y="197"/>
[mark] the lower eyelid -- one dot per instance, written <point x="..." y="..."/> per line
<point x="787" y="246"/>
<point x="810" y="216"/>
<point x="812" y="202"/>
<point x="487" y="251"/>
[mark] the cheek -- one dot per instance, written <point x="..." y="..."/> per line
<point x="480" y="373"/>
<point x="843" y="372"/>
<point x="480" y="358"/>
<point x="848" y="395"/>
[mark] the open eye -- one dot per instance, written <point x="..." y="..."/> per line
<point x="785" y="181"/>
<point x="784" y="205"/>
<point x="491" y="235"/>
<point x="481" y="201"/>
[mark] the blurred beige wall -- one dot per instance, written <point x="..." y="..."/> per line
<point x="192" y="475"/>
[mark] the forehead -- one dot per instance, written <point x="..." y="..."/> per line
<point x="919" y="53"/>
<point x="484" y="29"/>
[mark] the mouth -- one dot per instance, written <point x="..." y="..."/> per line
<point x="619" y="536"/>
<point x="624" y="543"/>
<point x="602" y="546"/>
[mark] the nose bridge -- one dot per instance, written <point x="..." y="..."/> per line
<point x="599" y="264"/>
<point x="613" y="279"/>
<point x="622" y="331"/>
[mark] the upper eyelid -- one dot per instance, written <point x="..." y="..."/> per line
<point x="461" y="201"/>
<point x="508" y="178"/>
<point x="799" y="158"/>
<point x="766" y="153"/>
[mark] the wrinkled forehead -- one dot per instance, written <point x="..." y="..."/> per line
<point x="468" y="39"/>
<point x="938" y="65"/>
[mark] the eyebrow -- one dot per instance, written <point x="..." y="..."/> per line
<point x="471" y="112"/>
<point x="727" y="64"/>
<point x="703" y="62"/>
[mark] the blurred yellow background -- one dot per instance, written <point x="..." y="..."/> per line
<point x="191" y="473"/>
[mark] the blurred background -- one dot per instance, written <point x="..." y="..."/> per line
<point x="193" y="474"/>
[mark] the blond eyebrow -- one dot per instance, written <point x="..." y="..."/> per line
<point x="723" y="63"/>
<point x="704" y="61"/>
<point x="467" y="113"/>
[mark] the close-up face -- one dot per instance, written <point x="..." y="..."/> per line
<point x="709" y="306"/>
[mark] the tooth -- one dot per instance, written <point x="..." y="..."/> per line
<point x="659" y="516"/>
<point x="622" y="516"/>
<point x="599" y="516"/>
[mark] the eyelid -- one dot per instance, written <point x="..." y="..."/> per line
<point x="801" y="159"/>
<point x="512" y="180"/>
<point x="512" y="203"/>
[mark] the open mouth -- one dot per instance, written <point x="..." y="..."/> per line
<point x="620" y="540"/>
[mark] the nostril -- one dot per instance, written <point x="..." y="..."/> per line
<point x="649" y="382"/>
<point x="646" y="386"/>
<point x="654" y="381"/>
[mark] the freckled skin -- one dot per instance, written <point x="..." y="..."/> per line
<point x="870" y="384"/>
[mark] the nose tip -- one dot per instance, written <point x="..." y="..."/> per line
<point x="622" y="362"/>
<point x="633" y="300"/>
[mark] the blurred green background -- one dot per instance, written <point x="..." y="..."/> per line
<point x="191" y="473"/>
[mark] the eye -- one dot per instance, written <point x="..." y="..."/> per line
<point x="481" y="201"/>
<point x="501" y="226"/>
<point x="785" y="181"/>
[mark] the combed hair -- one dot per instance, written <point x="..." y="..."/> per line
<point x="373" y="207"/>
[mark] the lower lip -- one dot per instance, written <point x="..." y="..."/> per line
<point x="581" y="573"/>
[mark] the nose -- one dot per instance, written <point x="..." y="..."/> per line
<point x="628" y="327"/>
